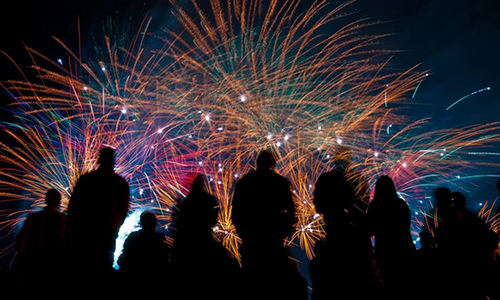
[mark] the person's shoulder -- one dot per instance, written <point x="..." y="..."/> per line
<point x="134" y="235"/>
<point x="120" y="179"/>
<point x="33" y="216"/>
<point x="86" y="177"/>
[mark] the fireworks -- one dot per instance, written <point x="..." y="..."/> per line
<point x="238" y="78"/>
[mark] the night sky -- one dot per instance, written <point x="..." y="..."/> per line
<point x="458" y="42"/>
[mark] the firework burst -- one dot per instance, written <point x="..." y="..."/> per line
<point x="238" y="78"/>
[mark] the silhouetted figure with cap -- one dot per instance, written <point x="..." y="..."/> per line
<point x="263" y="214"/>
<point x="202" y="268"/>
<point x="389" y="220"/>
<point x="342" y="267"/>
<point x="97" y="208"/>
<point x="40" y="247"/>
<point x="144" y="261"/>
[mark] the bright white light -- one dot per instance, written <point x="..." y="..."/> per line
<point x="287" y="136"/>
<point x="85" y="88"/>
<point x="278" y="144"/>
<point x="60" y="61"/>
<point x="160" y="130"/>
<point x="243" y="98"/>
<point x="103" y="68"/>
<point x="124" y="110"/>
<point x="200" y="163"/>
<point x="220" y="128"/>
<point x="404" y="165"/>
<point x="339" y="141"/>
<point x="375" y="154"/>
<point x="269" y="136"/>
<point x="207" y="117"/>
<point x="130" y="225"/>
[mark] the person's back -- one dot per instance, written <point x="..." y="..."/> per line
<point x="96" y="210"/>
<point x="40" y="245"/>
<point x="265" y="258"/>
<point x="145" y="257"/>
<point x="477" y="242"/>
<point x="197" y="258"/>
<point x="390" y="220"/>
<point x="341" y="267"/>
<point x="273" y="191"/>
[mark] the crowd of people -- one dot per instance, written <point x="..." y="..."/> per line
<point x="368" y="252"/>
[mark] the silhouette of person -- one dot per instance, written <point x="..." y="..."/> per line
<point x="201" y="266"/>
<point x="342" y="266"/>
<point x="477" y="243"/>
<point x="145" y="257"/>
<point x="266" y="261"/>
<point x="447" y="228"/>
<point x="389" y="219"/>
<point x="40" y="244"/>
<point x="344" y="164"/>
<point x="96" y="210"/>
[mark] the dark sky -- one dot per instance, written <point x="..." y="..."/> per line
<point x="457" y="40"/>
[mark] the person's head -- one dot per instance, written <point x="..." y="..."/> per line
<point x="148" y="221"/>
<point x="199" y="184"/>
<point x="266" y="160"/>
<point x="385" y="188"/>
<point x="106" y="157"/>
<point x="332" y="193"/>
<point x="442" y="197"/>
<point x="458" y="200"/>
<point x="53" y="198"/>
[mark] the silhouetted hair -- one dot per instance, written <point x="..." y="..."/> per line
<point x="52" y="198"/>
<point x="266" y="160"/>
<point x="198" y="185"/>
<point x="106" y="157"/>
<point x="332" y="193"/>
<point x="148" y="220"/>
<point x="458" y="200"/>
<point x="385" y="188"/>
<point x="442" y="196"/>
